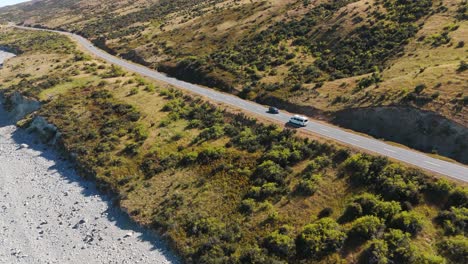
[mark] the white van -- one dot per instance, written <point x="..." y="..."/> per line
<point x="299" y="120"/>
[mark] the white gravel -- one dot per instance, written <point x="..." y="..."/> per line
<point x="48" y="214"/>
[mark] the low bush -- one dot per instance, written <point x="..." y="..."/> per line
<point x="210" y="154"/>
<point x="458" y="197"/>
<point x="410" y="222"/>
<point x="308" y="187"/>
<point x="365" y="227"/>
<point x="189" y="158"/>
<point x="269" y="171"/>
<point x="280" y="244"/>
<point x="210" y="133"/>
<point x="320" y="239"/>
<point x="369" y="204"/>
<point x="455" y="249"/>
<point x="376" y="253"/>
<point x="462" y="67"/>
<point x="454" y="221"/>
<point x="247" y="206"/>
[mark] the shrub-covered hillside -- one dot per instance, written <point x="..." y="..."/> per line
<point x="322" y="55"/>
<point x="226" y="188"/>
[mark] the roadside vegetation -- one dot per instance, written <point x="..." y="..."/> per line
<point x="324" y="55"/>
<point x="223" y="187"/>
<point x="319" y="58"/>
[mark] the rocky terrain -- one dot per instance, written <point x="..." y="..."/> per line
<point x="48" y="214"/>
<point x="5" y="55"/>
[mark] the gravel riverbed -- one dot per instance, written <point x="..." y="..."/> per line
<point x="49" y="214"/>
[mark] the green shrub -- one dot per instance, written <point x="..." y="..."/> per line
<point x="247" y="140"/>
<point x="210" y="133"/>
<point x="401" y="250"/>
<point x="352" y="211"/>
<point x="153" y="163"/>
<point x="131" y="149"/>
<point x="210" y="154"/>
<point x="265" y="191"/>
<point x="454" y="221"/>
<point x="376" y="253"/>
<point x="387" y="210"/>
<point x="279" y="244"/>
<point x="203" y="226"/>
<point x="255" y="255"/>
<point x="247" y="206"/>
<point x="410" y="222"/>
<point x="440" y="189"/>
<point x="115" y="71"/>
<point x="455" y="249"/>
<point x="320" y="239"/>
<point x="462" y="67"/>
<point x="396" y="238"/>
<point x="396" y="183"/>
<point x="365" y="227"/>
<point x="175" y="105"/>
<point x="368" y="81"/>
<point x="189" y="158"/>
<point x="308" y="186"/>
<point x="269" y="171"/>
<point x="430" y="259"/>
<point x="419" y="88"/>
<point x="279" y="154"/>
<point x="369" y="204"/>
<point x="314" y="166"/>
<point x="134" y="91"/>
<point x="358" y="168"/>
<point x="458" y="197"/>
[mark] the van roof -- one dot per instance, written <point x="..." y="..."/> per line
<point x="299" y="116"/>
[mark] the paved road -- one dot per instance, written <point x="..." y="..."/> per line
<point x="411" y="157"/>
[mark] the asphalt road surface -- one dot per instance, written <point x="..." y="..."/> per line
<point x="414" y="158"/>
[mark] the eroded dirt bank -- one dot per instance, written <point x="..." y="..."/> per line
<point x="422" y="130"/>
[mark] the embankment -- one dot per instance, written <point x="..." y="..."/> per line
<point x="421" y="130"/>
<point x="49" y="213"/>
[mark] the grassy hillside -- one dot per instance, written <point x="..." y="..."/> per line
<point x="225" y="188"/>
<point x="325" y="55"/>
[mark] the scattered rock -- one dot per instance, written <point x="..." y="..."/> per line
<point x="42" y="198"/>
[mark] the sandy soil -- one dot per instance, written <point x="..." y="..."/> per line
<point x="48" y="214"/>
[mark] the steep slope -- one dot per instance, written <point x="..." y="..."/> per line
<point x="222" y="187"/>
<point x="299" y="49"/>
<point x="322" y="58"/>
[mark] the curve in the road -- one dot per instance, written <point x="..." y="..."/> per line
<point x="414" y="158"/>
